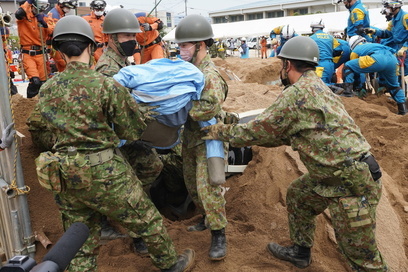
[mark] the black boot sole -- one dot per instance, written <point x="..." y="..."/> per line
<point x="287" y="260"/>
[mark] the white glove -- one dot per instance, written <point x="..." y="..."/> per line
<point x="402" y="51"/>
<point x="7" y="136"/>
<point x="146" y="27"/>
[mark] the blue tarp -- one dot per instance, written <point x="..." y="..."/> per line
<point x="169" y="84"/>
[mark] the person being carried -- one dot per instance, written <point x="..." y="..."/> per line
<point x="342" y="175"/>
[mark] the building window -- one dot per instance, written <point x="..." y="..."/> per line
<point x="236" y="18"/>
<point x="168" y="18"/>
<point x="82" y="4"/>
<point x="220" y="20"/>
<point x="255" y="16"/>
<point x="301" y="11"/>
<point x="274" y="14"/>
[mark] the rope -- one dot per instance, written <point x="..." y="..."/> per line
<point x="13" y="184"/>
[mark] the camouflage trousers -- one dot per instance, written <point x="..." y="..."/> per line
<point x="117" y="193"/>
<point x="353" y="219"/>
<point x="206" y="197"/>
<point x="144" y="160"/>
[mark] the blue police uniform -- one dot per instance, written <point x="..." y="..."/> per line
<point x="374" y="57"/>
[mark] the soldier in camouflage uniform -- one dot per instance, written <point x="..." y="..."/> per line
<point x="194" y="35"/>
<point x="343" y="176"/>
<point x="121" y="26"/>
<point x="79" y="105"/>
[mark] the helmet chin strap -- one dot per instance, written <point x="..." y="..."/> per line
<point x="197" y="49"/>
<point x="117" y="44"/>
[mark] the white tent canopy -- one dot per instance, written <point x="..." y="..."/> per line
<point x="334" y="22"/>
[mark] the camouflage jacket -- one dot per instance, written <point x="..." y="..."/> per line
<point x="80" y="106"/>
<point x="310" y="118"/>
<point x="110" y="63"/>
<point x="210" y="103"/>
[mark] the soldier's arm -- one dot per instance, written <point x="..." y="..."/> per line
<point x="123" y="111"/>
<point x="211" y="99"/>
<point x="270" y="128"/>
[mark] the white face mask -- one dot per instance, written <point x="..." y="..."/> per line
<point x="66" y="10"/>
<point x="186" y="53"/>
<point x="98" y="12"/>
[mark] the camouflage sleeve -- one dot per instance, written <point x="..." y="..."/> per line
<point x="270" y="128"/>
<point x="123" y="111"/>
<point x="211" y="99"/>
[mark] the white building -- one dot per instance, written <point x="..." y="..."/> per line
<point x="281" y="8"/>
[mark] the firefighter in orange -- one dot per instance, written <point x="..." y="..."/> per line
<point x="263" y="43"/>
<point x="60" y="10"/>
<point x="95" y="19"/>
<point x="8" y="54"/>
<point x="149" y="40"/>
<point x="30" y="21"/>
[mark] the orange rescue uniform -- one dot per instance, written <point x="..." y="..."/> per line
<point x="96" y="23"/>
<point x="55" y="14"/>
<point x="150" y="41"/>
<point x="31" y="45"/>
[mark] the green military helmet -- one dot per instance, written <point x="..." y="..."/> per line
<point x="300" y="48"/>
<point x="120" y="20"/>
<point x="72" y="28"/>
<point x="193" y="28"/>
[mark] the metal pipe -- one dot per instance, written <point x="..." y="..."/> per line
<point x="18" y="245"/>
<point x="42" y="238"/>
<point x="5" y="116"/>
<point x="5" y="187"/>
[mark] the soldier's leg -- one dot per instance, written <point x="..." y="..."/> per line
<point x="123" y="199"/>
<point x="303" y="205"/>
<point x="72" y="210"/>
<point x="211" y="196"/>
<point x="354" y="222"/>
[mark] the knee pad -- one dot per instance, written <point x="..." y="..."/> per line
<point x="35" y="81"/>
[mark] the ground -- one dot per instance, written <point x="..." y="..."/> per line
<point x="256" y="207"/>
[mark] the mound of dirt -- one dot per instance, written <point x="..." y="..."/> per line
<point x="256" y="207"/>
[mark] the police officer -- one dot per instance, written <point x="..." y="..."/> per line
<point x="358" y="19"/>
<point x="79" y="106"/>
<point x="343" y="176"/>
<point x="285" y="32"/>
<point x="121" y="26"/>
<point x="95" y="20"/>
<point x="194" y="36"/>
<point x="328" y="47"/>
<point x="371" y="58"/>
<point x="397" y="30"/>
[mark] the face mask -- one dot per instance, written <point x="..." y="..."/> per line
<point x="98" y="13"/>
<point x="66" y="10"/>
<point x="186" y="54"/>
<point x="128" y="47"/>
<point x="284" y="78"/>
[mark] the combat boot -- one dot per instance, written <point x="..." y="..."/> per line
<point x="139" y="246"/>
<point x="348" y="90"/>
<point x="200" y="226"/>
<point x="184" y="262"/>
<point x="218" y="249"/>
<point x="297" y="255"/>
<point x="402" y="108"/>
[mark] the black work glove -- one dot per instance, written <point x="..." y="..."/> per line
<point x="40" y="19"/>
